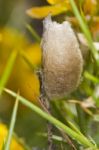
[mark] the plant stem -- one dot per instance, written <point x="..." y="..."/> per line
<point x="45" y="102"/>
<point x="81" y="120"/>
<point x="86" y="31"/>
<point x="73" y="134"/>
<point x="12" y="123"/>
<point x="8" y="69"/>
<point x="33" y="32"/>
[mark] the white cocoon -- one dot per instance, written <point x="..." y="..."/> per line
<point x="62" y="61"/>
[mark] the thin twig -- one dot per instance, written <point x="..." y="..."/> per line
<point x="44" y="101"/>
<point x="79" y="137"/>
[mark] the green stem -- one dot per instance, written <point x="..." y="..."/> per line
<point x="8" y="69"/>
<point x="78" y="137"/>
<point x="91" y="77"/>
<point x="12" y="124"/>
<point x="86" y="31"/>
<point x="26" y="59"/>
<point x="81" y="120"/>
<point x="33" y="32"/>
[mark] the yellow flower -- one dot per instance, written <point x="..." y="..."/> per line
<point x="3" y="133"/>
<point x="22" y="76"/>
<point x="90" y="7"/>
<point x="54" y="1"/>
<point x="56" y="7"/>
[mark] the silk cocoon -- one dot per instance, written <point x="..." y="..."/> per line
<point x="62" y="61"/>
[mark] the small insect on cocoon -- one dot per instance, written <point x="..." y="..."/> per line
<point x="62" y="61"/>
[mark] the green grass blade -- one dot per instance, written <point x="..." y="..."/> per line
<point x="91" y="77"/>
<point x="12" y="124"/>
<point x="74" y="127"/>
<point x="73" y="134"/>
<point x="86" y="31"/>
<point x="26" y="59"/>
<point x="33" y="32"/>
<point x="7" y="71"/>
<point x="54" y="137"/>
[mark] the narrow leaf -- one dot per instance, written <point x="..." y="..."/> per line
<point x="91" y="77"/>
<point x="34" y="33"/>
<point x="54" y="137"/>
<point x="8" y="69"/>
<point x="12" y="123"/>
<point x="33" y="67"/>
<point x="86" y="31"/>
<point x="73" y="134"/>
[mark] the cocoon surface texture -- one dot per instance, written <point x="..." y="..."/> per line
<point x="62" y="61"/>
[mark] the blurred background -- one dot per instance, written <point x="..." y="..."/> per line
<point x="21" y="30"/>
<point x="14" y="35"/>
